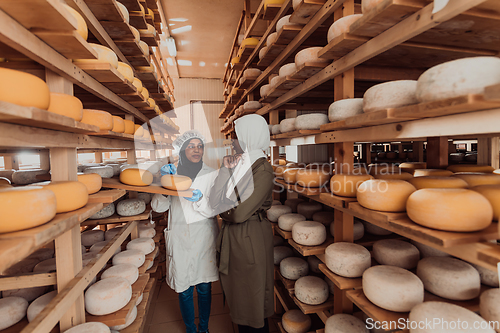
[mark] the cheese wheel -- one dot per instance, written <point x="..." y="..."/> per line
<point x="90" y="327"/>
<point x="4" y="181"/>
<point x="488" y="277"/>
<point x="107" y="211"/>
<point x="139" y="299"/>
<point x="124" y="11"/>
<point x="312" y="178"/>
<point x="118" y="125"/>
<point x="488" y="307"/>
<point x="130" y="207"/>
<point x="449" y="278"/>
<point x="101" y="119"/>
<point x="358" y="230"/>
<point x="15" y="85"/>
<point x="262" y="53"/>
<point x="274" y="81"/>
<point x="311" y="290"/>
<point x="249" y="41"/>
<point x="139" y="130"/>
<point x="293" y="268"/>
<point x="450" y="209"/>
<point x="310" y="56"/>
<point x="136" y="177"/>
<point x="286" y="221"/>
<point x="341" y="26"/>
<point x="146" y="232"/>
<point x="476" y="179"/>
<point x="145" y="245"/>
<point x="176" y="182"/>
<point x="294" y="321"/>
<point x="145" y="93"/>
<point x="251" y="72"/>
<point x="290" y="175"/>
<point x="133" y="257"/>
<point x="308" y="208"/>
<point x="12" y="310"/>
<point x="309" y="233"/>
<point x="271" y="39"/>
<point x="39" y="304"/>
<point x="347" y="259"/>
<point x="393" y="94"/>
<point x="97" y="247"/>
<point x="280" y="253"/>
<point x="392" y="288"/>
<point x="125" y="70"/>
<point x="310" y="121"/>
<point x="81" y="29"/>
<point x="325" y="218"/>
<point x="346" y="185"/>
<point x="69" y="195"/>
<point x="26" y="177"/>
<point x="293" y="204"/>
<point x="103" y="171"/>
<point x="129" y="126"/>
<point x="345" y="323"/>
<point x="313" y="263"/>
<point x="432" y="172"/>
<point x="410" y="167"/>
<point x="109" y="234"/>
<point x="252" y="105"/>
<point x="437" y="182"/>
<point x="46" y="266"/>
<point x="345" y="108"/>
<point x="151" y="102"/>
<point x="66" y="105"/>
<point x="394" y="252"/>
<point x="367" y="5"/>
<point x="127" y="271"/>
<point x="287" y="69"/>
<point x="104" y="55"/>
<point x="395" y="175"/>
<point x="145" y="49"/>
<point x="428" y="251"/>
<point x="90" y="237"/>
<point x="285" y="20"/>
<point x="138" y="85"/>
<point x="29" y="207"/>
<point x="42" y="254"/>
<point x="470" y="168"/>
<point x="107" y="296"/>
<point x="375" y="230"/>
<point x="264" y="90"/>
<point x="458" y="77"/>
<point x="384" y="195"/>
<point x="287" y="125"/>
<point x="492" y="193"/>
<point x="275" y="212"/>
<point x="276" y="129"/>
<point x="28" y="294"/>
<point x="128" y="320"/>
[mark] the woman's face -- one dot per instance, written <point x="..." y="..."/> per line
<point x="194" y="150"/>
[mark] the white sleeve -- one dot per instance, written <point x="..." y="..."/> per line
<point x="160" y="203"/>
<point x="203" y="207"/>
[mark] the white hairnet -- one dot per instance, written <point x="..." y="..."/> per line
<point x="186" y="136"/>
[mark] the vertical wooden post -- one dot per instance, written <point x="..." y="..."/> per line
<point x="98" y="157"/>
<point x="418" y="151"/>
<point x="11" y="162"/>
<point x="437" y="152"/>
<point x="274" y="120"/>
<point x="44" y="160"/>
<point x="131" y="159"/>
<point x="367" y="152"/>
<point x="488" y="151"/>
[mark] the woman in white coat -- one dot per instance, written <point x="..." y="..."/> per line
<point x="191" y="232"/>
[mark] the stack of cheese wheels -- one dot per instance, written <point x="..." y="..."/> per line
<point x="471" y="168"/>
<point x="311" y="290"/>
<point x="26" y="177"/>
<point x="145" y="245"/>
<point x="125" y="70"/>
<point x="104" y="55"/>
<point x="437" y="182"/>
<point x="450" y="209"/>
<point x="341" y="322"/>
<point x="345" y="108"/>
<point x="81" y="29"/>
<point x="103" y="171"/>
<point x="276" y="211"/>
<point x="384" y="195"/>
<point x="310" y="56"/>
<point x="286" y="221"/>
<point x="392" y="94"/>
<point x="107" y="296"/>
<point x="104" y="213"/>
<point x="341" y="26"/>
<point x="39" y="304"/>
<point x="290" y="175"/>
<point x="176" y="182"/>
<point x="66" y="105"/>
<point x="311" y="121"/>
<point x="25" y="207"/>
<point x="13" y="89"/>
<point x="94" y="327"/>
<point x="308" y="208"/>
<point x="133" y="257"/>
<point x="488" y="277"/>
<point x="312" y="177"/>
<point x="410" y="167"/>
<point x="280" y="253"/>
<point x="285" y="21"/>
<point x="488" y="305"/>
<point x="458" y="77"/>
<point x="101" y="119"/>
<point x="118" y="125"/>
<point x="325" y="218"/>
<point x="287" y="125"/>
<point x="394" y="252"/>
<point x="432" y="172"/>
<point x="12" y="310"/>
<point x="69" y="195"/>
<point x="347" y="259"/>
<point x="294" y="203"/>
<point x="136" y="177"/>
<point x="476" y="179"/>
<point x="492" y="193"/>
<point x="293" y="268"/>
<point x="309" y="233"/>
<point x="358" y="230"/>
<point x="126" y="271"/>
<point x="90" y="237"/>
<point x="449" y="278"/>
<point x="392" y="288"/>
<point x="294" y="321"/>
<point x="129" y="126"/>
<point x="346" y="185"/>
<point x="130" y="207"/>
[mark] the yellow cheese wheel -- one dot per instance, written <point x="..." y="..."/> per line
<point x="25" y="207"/>
<point x="450" y="209"/>
<point x="432" y="172"/>
<point x="66" y="105"/>
<point x="149" y="30"/>
<point x="437" y="182"/>
<point x="69" y="195"/>
<point x="129" y="126"/>
<point x="176" y="182"/>
<point x="384" y="195"/>
<point x="249" y="41"/>
<point x="278" y="172"/>
<point x="139" y="130"/>
<point x="475" y="179"/>
<point x="290" y="175"/>
<point x="23" y="89"/>
<point x="145" y="48"/>
<point x="497" y="171"/>
<point x="92" y="181"/>
<point x="118" y="124"/>
<point x="151" y="102"/>
<point x="150" y="12"/>
<point x="137" y="84"/>
<point x="145" y="93"/>
<point x="410" y="167"/>
<point x="312" y="177"/>
<point x="101" y="119"/>
<point x="4" y="181"/>
<point x="395" y="175"/>
<point x="235" y="60"/>
<point x="104" y="54"/>
<point x="470" y="168"/>
<point x="126" y="71"/>
<point x="136" y="177"/>
<point x="136" y="33"/>
<point x="346" y="185"/>
<point x="81" y="29"/>
<point x="149" y="68"/>
<point x="492" y="193"/>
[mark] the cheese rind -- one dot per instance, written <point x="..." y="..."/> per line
<point x="280" y="253"/>
<point x="437" y="182"/>
<point x="471" y="168"/>
<point x="311" y="290"/>
<point x="294" y="321"/>
<point x="274" y="213"/>
<point x="81" y="29"/>
<point x="130" y="207"/>
<point x="90" y="327"/>
<point x="341" y="26"/>
<point x="344" y="323"/>
<point x="308" y="208"/>
<point x="104" y="55"/>
<point x="293" y="268"/>
<point x="346" y="185"/>
<point x="118" y="124"/>
<point x="293" y="204"/>
<point x="345" y="108"/>
<point x="384" y="195"/>
<point x="391" y="94"/>
<point x="136" y="177"/>
<point x="347" y="259"/>
<point x="69" y="195"/>
<point x="286" y="221"/>
<point x="309" y="233"/>
<point x="312" y="177"/>
<point x="492" y="193"/>
<point x="39" y="304"/>
<point x="107" y="296"/>
<point x="90" y="237"/>
<point x="126" y="271"/>
<point x="125" y="70"/>
<point x="129" y="126"/>
<point x="101" y="119"/>
<point x="15" y="85"/>
<point x="476" y="179"/>
<point x="145" y="245"/>
<point x="66" y="105"/>
<point x="12" y="310"/>
<point x="287" y="69"/>
<point x="311" y="121"/>
<point x="488" y="306"/>
<point x="107" y="211"/>
<point x="309" y="56"/>
<point x="176" y="182"/>
<point x="134" y="257"/>
<point x="394" y="252"/>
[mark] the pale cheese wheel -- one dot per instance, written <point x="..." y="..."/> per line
<point x="262" y="52"/>
<point x="294" y="321"/>
<point x="476" y="179"/>
<point x="367" y="5"/>
<point x="287" y="69"/>
<point x="103" y="171"/>
<point x="125" y="70"/>
<point x="90" y="237"/>
<point x="276" y="202"/>
<point x="264" y="90"/>
<point x="252" y="105"/>
<point x="488" y="307"/>
<point x="23" y="89"/>
<point x="311" y="290"/>
<point x="346" y="185"/>
<point x="276" y="129"/>
<point x="66" y="105"/>
<point x="395" y="175"/>
<point x="290" y="175"/>
<point x="310" y="121"/>
<point x="347" y="259"/>
<point x="312" y="178"/>
<point x="287" y="220"/>
<point x="384" y="195"/>
<point x="104" y="55"/>
<point x="107" y="296"/>
<point x="145" y="93"/>
<point x="314" y="263"/>
<point x="101" y="119"/>
<point x="341" y="26"/>
<point x="276" y="211"/>
<point x="432" y="172"/>
<point x="325" y="218"/>
<point x="129" y="126"/>
<point x="151" y="263"/>
<point x="176" y="182"/>
<point x="391" y="94"/>
<point x="139" y="299"/>
<point x="308" y="208"/>
<point x="39" y="304"/>
<point x="345" y="108"/>
<point x="133" y="257"/>
<point x="107" y="211"/>
<point x="428" y="251"/>
<point x="392" y="288"/>
<point x="138" y="85"/>
<point x="488" y="277"/>
<point x="109" y="234"/>
<point x="4" y="181"/>
<point x="293" y="204"/>
<point x="280" y="253"/>
<point x="69" y="195"/>
<point x="97" y="247"/>
<point x="81" y="29"/>
<point x="127" y="271"/>
<point x="274" y="81"/>
<point x="437" y="182"/>
<point x="149" y="30"/>
<point x="458" y="77"/>
<point x="118" y="124"/>
<point x="145" y="245"/>
<point x="151" y="102"/>
<point x="42" y="254"/>
<point x="23" y="266"/>
<point x="28" y="294"/>
<point x="375" y="230"/>
<point x="271" y="39"/>
<point x="130" y="207"/>
<point x="90" y="327"/>
<point x="251" y="72"/>
<point x="278" y="240"/>
<point x="136" y="177"/>
<point x="394" y="252"/>
<point x="128" y="320"/>
<point x="285" y="20"/>
<point x="287" y="125"/>
<point x="470" y="168"/>
<point x="293" y="268"/>
<point x="146" y="232"/>
<point x="26" y="177"/>
<point x="450" y="209"/>
<point x="124" y="11"/>
<point x="12" y="310"/>
<point x="310" y="56"/>
<point x="46" y="266"/>
<point x="492" y="193"/>
<point x="358" y="230"/>
<point x="309" y="233"/>
<point x="410" y="167"/>
<point x="345" y="323"/>
<point x="145" y="49"/>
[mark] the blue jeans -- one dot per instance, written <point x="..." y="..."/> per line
<point x="204" y="291"/>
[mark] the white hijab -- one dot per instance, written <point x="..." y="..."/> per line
<point x="253" y="136"/>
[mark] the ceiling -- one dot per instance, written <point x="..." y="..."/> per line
<point x="203" y="31"/>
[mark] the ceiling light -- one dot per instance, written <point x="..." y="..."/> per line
<point x="184" y="62"/>
<point x="172" y="50"/>
<point x="185" y="28"/>
<point x="202" y="63"/>
<point x="180" y="19"/>
<point x="170" y="61"/>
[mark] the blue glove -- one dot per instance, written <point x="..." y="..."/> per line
<point x="168" y="169"/>
<point x="196" y="196"/>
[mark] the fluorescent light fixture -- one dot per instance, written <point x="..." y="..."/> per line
<point x="172" y="50"/>
<point x="185" y="28"/>
<point x="184" y="62"/>
<point x="180" y="19"/>
<point x="184" y="42"/>
<point x="202" y="64"/>
<point x="170" y="61"/>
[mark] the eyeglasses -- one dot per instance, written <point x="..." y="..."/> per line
<point x="200" y="146"/>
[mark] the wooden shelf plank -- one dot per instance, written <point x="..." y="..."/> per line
<point x="150" y="38"/>
<point x="102" y="72"/>
<point x="272" y="52"/>
<point x="145" y="76"/>
<point x="335" y="200"/>
<point x="114" y="135"/>
<point x="289" y="284"/>
<point x="129" y="47"/>
<point x="135" y="97"/>
<point x="283" y="233"/>
<point x="107" y="196"/>
<point x="245" y="52"/>
<point x="280" y="326"/>
<point x="115" y="218"/>
<point x="142" y="310"/>
<point x="118" y="30"/>
<point x="287" y="83"/>
<point x="490" y="254"/>
<point x="247" y="81"/>
<point x="124" y="87"/>
<point x="153" y="188"/>
<point x="68" y="43"/>
<point x="138" y="60"/>
<point x="341" y="282"/>
<point x="132" y="5"/>
<point x="311" y="250"/>
<point x="270" y="11"/>
<point x="305" y="11"/>
<point x="283" y="296"/>
<point x="309" y="309"/>
<point x="308" y="70"/>
<point x="138" y="20"/>
<point x="288" y="33"/>
<point x="105" y="10"/>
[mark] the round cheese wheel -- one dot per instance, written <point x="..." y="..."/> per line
<point x="488" y="306"/>
<point x="139" y="299"/>
<point x="287" y="220"/>
<point x="252" y="105"/>
<point x="81" y="29"/>
<point x="285" y="20"/>
<point x="12" y="310"/>
<point x="133" y="257"/>
<point x="136" y="177"/>
<point x="118" y="125"/>
<point x="396" y="175"/>
<point x="264" y="90"/>
<point x="384" y="195"/>
<point x="345" y="108"/>
<point x="107" y="296"/>
<point x="146" y="232"/>
<point x="346" y="184"/>
<point x="290" y="175"/>
<point x="394" y="252"/>
<point x="492" y="193"/>
<point x="428" y="251"/>
<point x="437" y="182"/>
<point x="7" y="174"/>
<point x="103" y="171"/>
<point x="130" y="207"/>
<point x="124" y="11"/>
<point x="392" y="288"/>
<point x="125" y="70"/>
<point x="90" y="327"/>
<point x="104" y="54"/>
<point x="66" y="105"/>
<point x="97" y="247"/>
<point x="90" y="237"/>
<point x="449" y="278"/>
<point x="127" y="271"/>
<point x="367" y="5"/>
<point x="345" y="323"/>
<point x="139" y="130"/>
<point x="476" y="179"/>
<point x="28" y="294"/>
<point x="325" y="218"/>
<point x="129" y="126"/>
<point x="470" y="168"/>
<point x="308" y="208"/>
<point x="274" y="81"/>
<point x="293" y="268"/>
<point x="309" y="233"/>
<point x="39" y="304"/>
<point x="311" y="290"/>
<point x="459" y="319"/>
<point x="276" y="211"/>
<point x="450" y="209"/>
<point x="128" y="320"/>
<point x="176" y="182"/>
<point x="23" y="89"/>
<point x="42" y="254"/>
<point x="109" y="234"/>
<point x="46" y="266"/>
<point x="69" y="195"/>
<point x="488" y="277"/>
<point x="341" y="26"/>
<point x="278" y="240"/>
<point x="104" y="213"/>
<point x="294" y="321"/>
<point x="276" y="129"/>
<point x="287" y="125"/>
<point x="287" y="69"/>
<point x="310" y="56"/>
<point x="145" y="245"/>
<point x="313" y="263"/>
<point x="432" y="172"/>
<point x="280" y="253"/>
<point x="145" y="49"/>
<point x="138" y="85"/>
<point x="458" y="77"/>
<point x="358" y="230"/>
<point x="262" y="53"/>
<point x="271" y="39"/>
<point x="26" y="177"/>
<point x="151" y="102"/>
<point x="410" y="167"/>
<point x="149" y="30"/>
<point x="293" y="203"/>
<point x="347" y="259"/>
<point x="310" y="121"/>
<point x="393" y="94"/>
<point x="312" y="178"/>
<point x="101" y="119"/>
<point x="251" y="72"/>
<point x="249" y="41"/>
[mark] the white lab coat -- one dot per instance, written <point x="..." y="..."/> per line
<point x="190" y="235"/>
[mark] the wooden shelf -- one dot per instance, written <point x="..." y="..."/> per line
<point x="132" y="5"/>
<point x="149" y="258"/>
<point x="309" y="309"/>
<point x="102" y="72"/>
<point x="129" y="48"/>
<point x="115" y="218"/>
<point x="272" y="52"/>
<point x="287" y="34"/>
<point x="289" y="284"/>
<point x="296" y="134"/>
<point x="247" y="81"/>
<point x="311" y="250"/>
<point x="138" y="20"/>
<point x="139" y="60"/>
<point x="284" y="297"/>
<point x="341" y="282"/>
<point x="68" y="43"/>
<point x="142" y="309"/>
<point x="118" y="30"/>
<point x="271" y="11"/>
<point x="106" y="196"/>
<point x="307" y="70"/>
<point x="245" y="52"/>
<point x="105" y="10"/>
<point x="145" y="76"/>
<point x="283" y="233"/>
<point x="153" y="188"/>
<point x="150" y="38"/>
<point x="305" y="11"/>
<point x="336" y="201"/>
<point x="114" y="135"/>
<point x="287" y="83"/>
